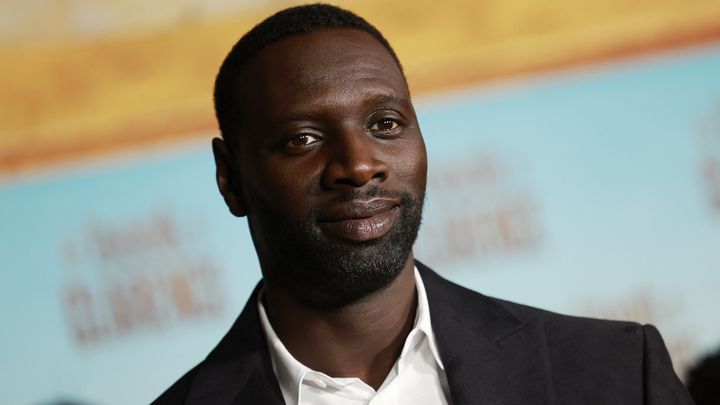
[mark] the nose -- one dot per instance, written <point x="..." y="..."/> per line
<point x="354" y="160"/>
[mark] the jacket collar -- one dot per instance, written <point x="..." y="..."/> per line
<point x="490" y="355"/>
<point x="239" y="370"/>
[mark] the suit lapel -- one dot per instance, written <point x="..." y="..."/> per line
<point x="239" y="369"/>
<point x="490" y="356"/>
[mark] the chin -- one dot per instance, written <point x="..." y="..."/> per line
<point x="327" y="272"/>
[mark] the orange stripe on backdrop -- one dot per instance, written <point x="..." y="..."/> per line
<point x="78" y="97"/>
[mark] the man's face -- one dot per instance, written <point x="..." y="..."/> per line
<point x="330" y="164"/>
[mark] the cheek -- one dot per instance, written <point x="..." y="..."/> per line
<point x="410" y="164"/>
<point x="287" y="184"/>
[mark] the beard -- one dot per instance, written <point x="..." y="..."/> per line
<point x="326" y="272"/>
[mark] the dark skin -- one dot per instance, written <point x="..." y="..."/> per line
<point x="326" y="112"/>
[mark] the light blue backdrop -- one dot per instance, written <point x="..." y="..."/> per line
<point x="592" y="192"/>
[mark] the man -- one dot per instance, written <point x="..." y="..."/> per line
<point x="322" y="152"/>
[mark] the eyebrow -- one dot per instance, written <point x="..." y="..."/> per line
<point x="377" y="99"/>
<point x="389" y="99"/>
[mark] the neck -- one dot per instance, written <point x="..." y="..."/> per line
<point x="363" y="339"/>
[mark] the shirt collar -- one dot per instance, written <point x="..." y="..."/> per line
<point x="290" y="372"/>
<point x="422" y="320"/>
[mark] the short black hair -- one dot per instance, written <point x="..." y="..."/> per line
<point x="285" y="23"/>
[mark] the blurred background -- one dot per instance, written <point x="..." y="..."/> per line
<point x="574" y="151"/>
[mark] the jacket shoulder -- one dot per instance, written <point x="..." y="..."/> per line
<point x="579" y="343"/>
<point x="575" y="326"/>
<point x="178" y="392"/>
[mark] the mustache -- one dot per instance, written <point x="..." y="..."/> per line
<point x="367" y="194"/>
<point x="363" y="201"/>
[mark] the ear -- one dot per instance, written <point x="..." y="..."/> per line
<point x="227" y="176"/>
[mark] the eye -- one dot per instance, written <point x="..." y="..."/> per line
<point x="302" y="140"/>
<point x="385" y="125"/>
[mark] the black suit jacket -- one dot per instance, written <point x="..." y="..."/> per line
<point x="494" y="352"/>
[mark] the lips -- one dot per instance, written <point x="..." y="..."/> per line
<point x="360" y="220"/>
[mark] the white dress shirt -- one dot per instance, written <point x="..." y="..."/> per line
<point x="416" y="378"/>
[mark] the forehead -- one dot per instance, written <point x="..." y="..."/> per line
<point x="326" y="67"/>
